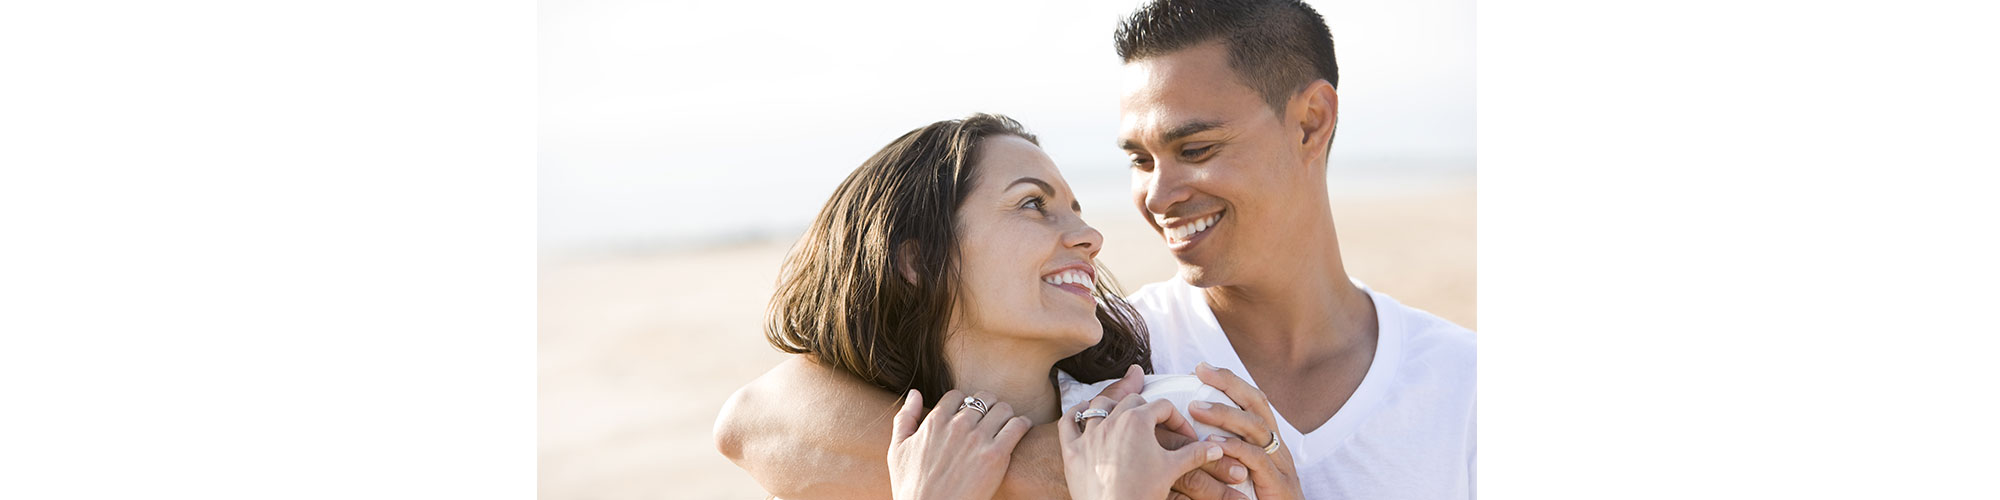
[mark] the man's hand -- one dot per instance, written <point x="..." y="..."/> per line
<point x="1275" y="476"/>
<point x="1211" y="481"/>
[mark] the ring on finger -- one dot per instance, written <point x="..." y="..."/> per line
<point x="1090" y="414"/>
<point x="1273" y="447"/>
<point x="975" y="403"/>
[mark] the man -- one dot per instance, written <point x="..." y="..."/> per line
<point x="1228" y="117"/>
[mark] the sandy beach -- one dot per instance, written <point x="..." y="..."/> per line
<point x="638" y="351"/>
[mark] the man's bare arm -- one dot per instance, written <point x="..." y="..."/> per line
<point x="804" y="431"/>
<point x="1036" y="469"/>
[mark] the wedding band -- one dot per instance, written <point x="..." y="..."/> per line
<point x="973" y="403"/>
<point x="1273" y="447"/>
<point x="1090" y="414"/>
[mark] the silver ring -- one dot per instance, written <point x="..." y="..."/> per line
<point x="973" y="402"/>
<point x="1090" y="414"/>
<point x="1273" y="447"/>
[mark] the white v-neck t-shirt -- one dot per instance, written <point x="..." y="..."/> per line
<point x="1407" y="432"/>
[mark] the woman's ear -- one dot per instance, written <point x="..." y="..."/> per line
<point x="906" y="261"/>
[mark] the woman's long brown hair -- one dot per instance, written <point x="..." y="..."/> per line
<point x="841" y="299"/>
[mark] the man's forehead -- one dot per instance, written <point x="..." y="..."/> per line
<point x="1166" y="93"/>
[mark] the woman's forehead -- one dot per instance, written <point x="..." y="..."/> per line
<point x="1003" y="159"/>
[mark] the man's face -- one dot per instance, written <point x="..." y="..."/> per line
<point x="1214" y="171"/>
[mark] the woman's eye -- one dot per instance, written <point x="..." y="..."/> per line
<point x="1034" y="202"/>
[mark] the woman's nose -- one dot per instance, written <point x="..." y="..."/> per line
<point x="1085" y="238"/>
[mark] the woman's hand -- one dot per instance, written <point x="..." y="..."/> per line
<point x="1275" y="476"/>
<point x="954" y="453"/>
<point x="1119" y="456"/>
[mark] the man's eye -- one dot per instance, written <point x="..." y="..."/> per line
<point x="1142" y="164"/>
<point x="1192" y="153"/>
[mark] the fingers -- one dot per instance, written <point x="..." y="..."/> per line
<point x="1066" y="423"/>
<point x="947" y="404"/>
<point x="1133" y="382"/>
<point x="1263" y="468"/>
<point x="1234" y="420"/>
<point x="989" y="424"/>
<point x="1227" y="469"/>
<point x="1189" y="458"/>
<point x="1010" y="433"/>
<point x="906" y="418"/>
<point x="1096" y="403"/>
<point x="1172" y="419"/>
<point x="1162" y="414"/>
<point x="968" y="419"/>
<point x="1128" y="403"/>
<point x="1198" y="484"/>
<point x="1245" y="395"/>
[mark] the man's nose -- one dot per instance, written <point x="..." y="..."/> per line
<point x="1167" y="187"/>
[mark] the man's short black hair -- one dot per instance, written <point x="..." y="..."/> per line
<point x="1276" y="46"/>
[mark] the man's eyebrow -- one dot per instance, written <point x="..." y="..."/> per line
<point x="1176" y="133"/>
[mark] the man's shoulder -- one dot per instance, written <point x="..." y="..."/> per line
<point x="1160" y="296"/>
<point x="1432" y="341"/>
<point x="802" y="376"/>
<point x="839" y="436"/>
<point x="764" y="403"/>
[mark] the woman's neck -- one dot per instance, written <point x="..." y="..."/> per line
<point x="1012" y="370"/>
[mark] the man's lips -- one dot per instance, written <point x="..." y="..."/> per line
<point x="1187" y="229"/>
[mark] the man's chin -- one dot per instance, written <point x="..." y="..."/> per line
<point x="1199" y="276"/>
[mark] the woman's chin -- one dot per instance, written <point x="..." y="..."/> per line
<point x="1086" y="337"/>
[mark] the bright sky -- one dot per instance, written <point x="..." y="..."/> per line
<point x="665" y="123"/>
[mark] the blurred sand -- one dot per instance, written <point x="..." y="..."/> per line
<point x="638" y="352"/>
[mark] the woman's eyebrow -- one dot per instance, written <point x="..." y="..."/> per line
<point x="1046" y="189"/>
<point x="1051" y="191"/>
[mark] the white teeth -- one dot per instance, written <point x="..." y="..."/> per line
<point x="1183" y="232"/>
<point x="1066" y="277"/>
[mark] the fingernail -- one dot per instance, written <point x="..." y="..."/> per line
<point x="1204" y="366"/>
<point x="912" y="394"/>
<point x="1215" y="453"/>
<point x="1216" y="438"/>
<point x="1236" y="473"/>
<point x="1203" y="405"/>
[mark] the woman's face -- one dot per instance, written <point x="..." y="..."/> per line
<point x="1025" y="273"/>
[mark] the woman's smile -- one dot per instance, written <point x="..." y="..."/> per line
<point x="1075" y="278"/>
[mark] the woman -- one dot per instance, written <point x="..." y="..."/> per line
<point x="957" y="257"/>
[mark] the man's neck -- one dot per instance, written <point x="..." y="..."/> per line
<point x="1308" y="310"/>
<point x="1012" y="371"/>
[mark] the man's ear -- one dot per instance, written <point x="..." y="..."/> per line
<point x="1318" y="112"/>
<point x="906" y="261"/>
